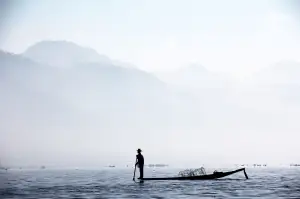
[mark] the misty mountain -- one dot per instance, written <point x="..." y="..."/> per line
<point x="279" y="81"/>
<point x="58" y="105"/>
<point x="86" y="95"/>
<point x="63" y="54"/>
<point x="280" y="73"/>
<point x="90" y="108"/>
<point x="86" y="86"/>
<point x="124" y="94"/>
<point x="26" y="88"/>
<point x="196" y="76"/>
<point x="210" y="91"/>
<point x="103" y="102"/>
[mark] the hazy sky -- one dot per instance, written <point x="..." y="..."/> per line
<point x="230" y="36"/>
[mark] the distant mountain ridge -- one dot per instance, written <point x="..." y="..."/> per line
<point x="47" y="105"/>
<point x="83" y="86"/>
<point x="196" y="76"/>
<point x="63" y="54"/>
<point x="89" y="107"/>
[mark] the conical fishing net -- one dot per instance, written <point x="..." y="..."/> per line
<point x="192" y="172"/>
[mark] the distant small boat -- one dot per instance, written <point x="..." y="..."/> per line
<point x="157" y="165"/>
<point x="112" y="166"/>
<point x="4" y="168"/>
<point x="213" y="176"/>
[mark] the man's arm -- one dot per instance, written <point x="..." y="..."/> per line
<point x="136" y="162"/>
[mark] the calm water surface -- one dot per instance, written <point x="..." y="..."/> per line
<point x="117" y="183"/>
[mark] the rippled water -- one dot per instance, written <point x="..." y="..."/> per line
<point x="117" y="183"/>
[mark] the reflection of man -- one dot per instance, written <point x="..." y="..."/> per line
<point x="140" y="163"/>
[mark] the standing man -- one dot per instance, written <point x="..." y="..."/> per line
<point x="140" y="163"/>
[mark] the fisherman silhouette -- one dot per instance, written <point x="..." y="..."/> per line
<point x="140" y="163"/>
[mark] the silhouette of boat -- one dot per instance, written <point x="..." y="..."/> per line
<point x="213" y="176"/>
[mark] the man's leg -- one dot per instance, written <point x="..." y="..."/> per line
<point x="142" y="171"/>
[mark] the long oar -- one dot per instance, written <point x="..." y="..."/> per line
<point x="245" y="174"/>
<point x="134" y="173"/>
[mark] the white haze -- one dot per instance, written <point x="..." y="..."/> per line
<point x="95" y="113"/>
<point x="86" y="83"/>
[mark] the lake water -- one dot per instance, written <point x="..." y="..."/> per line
<point x="118" y="183"/>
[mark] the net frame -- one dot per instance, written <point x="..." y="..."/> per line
<point x="192" y="172"/>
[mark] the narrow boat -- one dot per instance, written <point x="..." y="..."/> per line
<point x="213" y="176"/>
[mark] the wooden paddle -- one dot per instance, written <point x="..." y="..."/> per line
<point x="245" y="174"/>
<point x="134" y="173"/>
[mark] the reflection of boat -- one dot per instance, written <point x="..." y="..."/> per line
<point x="215" y="175"/>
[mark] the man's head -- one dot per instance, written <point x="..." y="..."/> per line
<point x="139" y="150"/>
